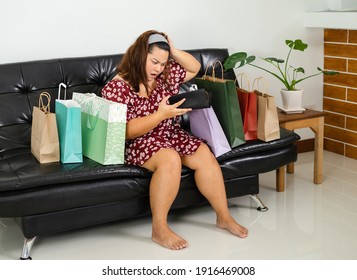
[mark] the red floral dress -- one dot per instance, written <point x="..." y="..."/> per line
<point x="168" y="134"/>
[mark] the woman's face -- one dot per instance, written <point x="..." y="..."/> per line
<point x="155" y="63"/>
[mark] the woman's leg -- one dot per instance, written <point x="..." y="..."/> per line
<point x="209" y="180"/>
<point x="166" y="166"/>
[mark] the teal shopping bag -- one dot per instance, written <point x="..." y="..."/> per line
<point x="103" y="128"/>
<point x="68" y="118"/>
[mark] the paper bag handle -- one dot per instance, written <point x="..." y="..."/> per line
<point x="220" y="64"/>
<point x="65" y="90"/>
<point x="241" y="75"/>
<point x="45" y="107"/>
<point x="263" y="80"/>
<point x="213" y="65"/>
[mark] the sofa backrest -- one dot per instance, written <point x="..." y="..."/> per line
<point x="22" y="83"/>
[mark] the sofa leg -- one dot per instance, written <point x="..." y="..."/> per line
<point x="261" y="206"/>
<point x="26" y="248"/>
<point x="280" y="179"/>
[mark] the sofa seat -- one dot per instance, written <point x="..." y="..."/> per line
<point x="39" y="188"/>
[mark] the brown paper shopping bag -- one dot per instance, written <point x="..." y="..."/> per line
<point x="44" y="134"/>
<point x="268" y="120"/>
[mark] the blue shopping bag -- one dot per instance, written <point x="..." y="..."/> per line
<point x="68" y="117"/>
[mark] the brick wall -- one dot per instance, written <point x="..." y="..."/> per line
<point x="340" y="91"/>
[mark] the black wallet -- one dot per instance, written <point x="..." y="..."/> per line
<point x="196" y="99"/>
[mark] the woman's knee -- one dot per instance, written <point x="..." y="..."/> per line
<point x="202" y="158"/>
<point x="171" y="160"/>
<point x="167" y="159"/>
<point x="207" y="155"/>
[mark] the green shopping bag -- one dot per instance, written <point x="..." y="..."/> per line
<point x="103" y="128"/>
<point x="226" y="106"/>
<point x="68" y="117"/>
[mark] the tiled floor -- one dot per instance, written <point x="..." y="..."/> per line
<point x="307" y="221"/>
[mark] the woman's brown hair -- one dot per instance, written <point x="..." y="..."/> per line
<point x="132" y="67"/>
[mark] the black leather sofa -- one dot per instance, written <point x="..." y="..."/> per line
<point x="50" y="198"/>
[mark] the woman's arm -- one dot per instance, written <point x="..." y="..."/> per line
<point x="142" y="125"/>
<point x="186" y="60"/>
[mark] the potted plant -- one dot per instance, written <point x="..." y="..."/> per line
<point x="289" y="75"/>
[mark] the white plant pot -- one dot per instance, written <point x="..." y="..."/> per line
<point x="292" y="99"/>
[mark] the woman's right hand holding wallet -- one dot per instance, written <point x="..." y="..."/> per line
<point x="142" y="125"/>
<point x="170" y="111"/>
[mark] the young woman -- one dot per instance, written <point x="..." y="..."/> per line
<point x="150" y="72"/>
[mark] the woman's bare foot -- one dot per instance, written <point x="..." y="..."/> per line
<point x="231" y="225"/>
<point x="167" y="238"/>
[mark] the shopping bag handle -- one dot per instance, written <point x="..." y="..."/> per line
<point x="221" y="65"/>
<point x="241" y="75"/>
<point x="45" y="107"/>
<point x="65" y="90"/>
<point x="264" y="81"/>
<point x="213" y="65"/>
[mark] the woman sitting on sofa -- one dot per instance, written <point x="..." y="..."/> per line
<point x="150" y="72"/>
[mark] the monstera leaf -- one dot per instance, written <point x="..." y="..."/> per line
<point x="287" y="74"/>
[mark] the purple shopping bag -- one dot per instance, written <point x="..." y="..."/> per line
<point x="204" y="124"/>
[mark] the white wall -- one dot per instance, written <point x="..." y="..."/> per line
<point x="42" y="29"/>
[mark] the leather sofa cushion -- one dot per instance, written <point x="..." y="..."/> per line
<point x="257" y="146"/>
<point x="19" y="169"/>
